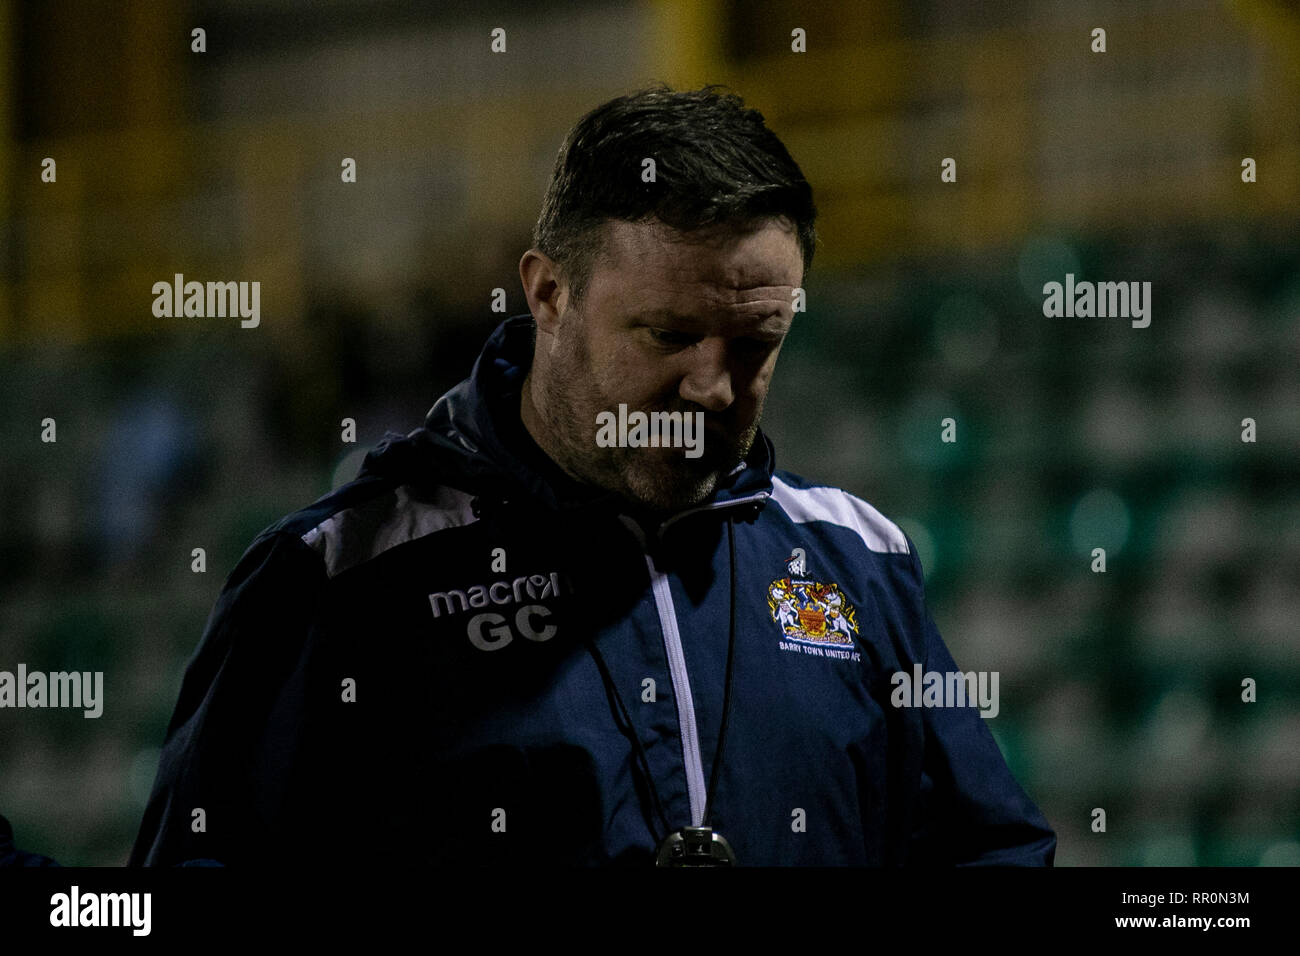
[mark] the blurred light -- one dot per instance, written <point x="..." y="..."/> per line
<point x="965" y="332"/>
<point x="1286" y="853"/>
<point x="1174" y="850"/>
<point x="920" y="429"/>
<point x="1117" y="425"/>
<point x="1178" y="726"/>
<point x="1100" y="520"/>
<point x="1045" y="259"/>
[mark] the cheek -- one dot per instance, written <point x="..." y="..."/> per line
<point x="629" y="375"/>
<point x="755" y="386"/>
<point x="611" y="364"/>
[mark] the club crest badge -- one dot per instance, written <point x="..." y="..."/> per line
<point x="809" y="611"/>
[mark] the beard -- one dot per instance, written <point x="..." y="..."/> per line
<point x="658" y="479"/>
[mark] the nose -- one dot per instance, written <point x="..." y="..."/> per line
<point x="707" y="381"/>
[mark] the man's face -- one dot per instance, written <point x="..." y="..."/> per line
<point x="690" y="325"/>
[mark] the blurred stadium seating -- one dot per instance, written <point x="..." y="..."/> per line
<point x="1119" y="690"/>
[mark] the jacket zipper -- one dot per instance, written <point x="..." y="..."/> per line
<point x="681" y="692"/>
<point x="695" y="789"/>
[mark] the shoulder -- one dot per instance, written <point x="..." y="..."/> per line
<point x="807" y="502"/>
<point x="367" y="517"/>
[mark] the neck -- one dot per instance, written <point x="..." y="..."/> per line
<point x="529" y="416"/>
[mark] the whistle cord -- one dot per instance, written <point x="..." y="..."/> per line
<point x="726" y="702"/>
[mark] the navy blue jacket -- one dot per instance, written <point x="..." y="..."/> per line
<point x="371" y="681"/>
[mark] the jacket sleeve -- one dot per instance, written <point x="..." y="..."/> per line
<point x="972" y="811"/>
<point x="232" y="741"/>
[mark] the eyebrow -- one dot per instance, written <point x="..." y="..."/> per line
<point x="663" y="314"/>
<point x="672" y="315"/>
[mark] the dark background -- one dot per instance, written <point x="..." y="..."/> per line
<point x="1119" y="690"/>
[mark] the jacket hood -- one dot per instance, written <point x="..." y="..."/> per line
<point x="472" y="438"/>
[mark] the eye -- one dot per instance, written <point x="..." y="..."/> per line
<point x="758" y="347"/>
<point x="668" y="337"/>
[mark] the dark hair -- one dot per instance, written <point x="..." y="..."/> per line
<point x="717" y="166"/>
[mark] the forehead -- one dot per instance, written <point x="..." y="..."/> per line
<point x="649" y="259"/>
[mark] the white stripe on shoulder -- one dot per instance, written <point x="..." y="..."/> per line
<point x="356" y="535"/>
<point x="841" y="508"/>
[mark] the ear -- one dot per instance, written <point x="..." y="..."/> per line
<point x="545" y="290"/>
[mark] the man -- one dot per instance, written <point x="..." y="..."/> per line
<point x="556" y="624"/>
